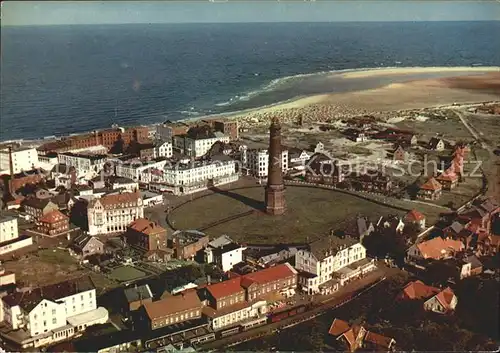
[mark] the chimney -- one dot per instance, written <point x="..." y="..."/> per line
<point x="11" y="164"/>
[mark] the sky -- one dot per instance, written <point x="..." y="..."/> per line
<point x="19" y="13"/>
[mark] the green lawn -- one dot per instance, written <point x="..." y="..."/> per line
<point x="126" y="273"/>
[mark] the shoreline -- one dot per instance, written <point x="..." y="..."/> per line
<point x="349" y="104"/>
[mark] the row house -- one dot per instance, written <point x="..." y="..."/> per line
<point x="430" y="190"/>
<point x="257" y="162"/>
<point x="88" y="165"/>
<point x="372" y="181"/>
<point x="188" y="177"/>
<point x="52" y="313"/>
<point x="187" y="243"/>
<point x="53" y="224"/>
<point x="172" y="310"/>
<point x="37" y="208"/>
<point x="319" y="264"/>
<point x="113" y="213"/>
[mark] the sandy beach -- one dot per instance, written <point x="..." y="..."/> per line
<point x="470" y="85"/>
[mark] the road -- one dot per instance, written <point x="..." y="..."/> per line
<point x="329" y="302"/>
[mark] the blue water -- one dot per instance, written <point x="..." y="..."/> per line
<point x="62" y="79"/>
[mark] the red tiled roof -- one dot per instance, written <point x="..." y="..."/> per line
<point x="53" y="217"/>
<point x="338" y="327"/>
<point x="145" y="226"/>
<point x="225" y="288"/>
<point x="419" y="290"/>
<point x="445" y="297"/>
<point x="448" y="175"/>
<point x="436" y="247"/>
<point x="432" y="185"/>
<point x="268" y="275"/>
<point x="414" y="216"/>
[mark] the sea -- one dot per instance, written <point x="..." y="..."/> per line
<point x="57" y="80"/>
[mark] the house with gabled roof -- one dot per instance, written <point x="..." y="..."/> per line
<point x="436" y="249"/>
<point x="443" y="302"/>
<point x="53" y="223"/>
<point x="417" y="290"/>
<point x="146" y="235"/>
<point x="430" y="190"/>
<point x="356" y="337"/>
<point x="36" y="208"/>
<point x="448" y="179"/>
<point x="436" y="144"/>
<point x="415" y="217"/>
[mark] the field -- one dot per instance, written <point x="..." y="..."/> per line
<point x="126" y="273"/>
<point x="311" y="214"/>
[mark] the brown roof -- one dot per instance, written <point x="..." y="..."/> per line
<point x="187" y="300"/>
<point x="437" y="247"/>
<point x="445" y="297"/>
<point x="110" y="201"/>
<point x="53" y="217"/>
<point x="225" y="288"/>
<point x="30" y="299"/>
<point x="414" y="216"/>
<point x="419" y="290"/>
<point x="448" y="175"/>
<point x="268" y="275"/>
<point x="431" y="184"/>
<point x="211" y="312"/>
<point x="379" y="340"/>
<point x="338" y="327"/>
<point x="145" y="226"/>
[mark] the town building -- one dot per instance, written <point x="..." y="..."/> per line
<point x="52" y="313"/>
<point x="37" y="208"/>
<point x="323" y="169"/>
<point x="136" y="296"/>
<point x="47" y="161"/>
<point x="417" y="290"/>
<point x="198" y="140"/>
<point x="359" y="228"/>
<point x="297" y="158"/>
<point x="258" y="162"/>
<point x="227" y="127"/>
<point x="448" y="179"/>
<point x="187" y="243"/>
<point x="163" y="149"/>
<point x="372" y="181"/>
<point x="88" y="165"/>
<point x="443" y="302"/>
<point x="135" y="169"/>
<point x="113" y="213"/>
<point x="146" y="235"/>
<point x="85" y="245"/>
<point x="355" y="135"/>
<point x="186" y="177"/>
<point x="167" y="130"/>
<point x="150" y="199"/>
<point x="265" y="283"/>
<point x="53" y="223"/>
<point x="415" y="217"/>
<point x="399" y="154"/>
<point x="319" y="265"/>
<point x="430" y="190"/>
<point x="19" y="180"/>
<point x="122" y="183"/>
<point x="9" y="236"/>
<point x="436" y="144"/>
<point x="436" y="248"/>
<point x="172" y="310"/>
<point x="356" y="337"/>
<point x="224" y="252"/>
<point x="23" y="159"/>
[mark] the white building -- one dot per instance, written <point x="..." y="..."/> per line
<point x="123" y="183"/>
<point x="251" y="313"/>
<point x="328" y="263"/>
<point x="198" y="140"/>
<point x="23" y="158"/>
<point x="224" y="253"/>
<point x="88" y="165"/>
<point x="9" y="236"/>
<point x="8" y="228"/>
<point x="113" y="213"/>
<point x="48" y="161"/>
<point x="134" y="169"/>
<point x="163" y="149"/>
<point x="52" y="313"/>
<point x="150" y="199"/>
<point x="185" y="178"/>
<point x="258" y="162"/>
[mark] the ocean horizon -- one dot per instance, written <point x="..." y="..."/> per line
<point x="64" y="79"/>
